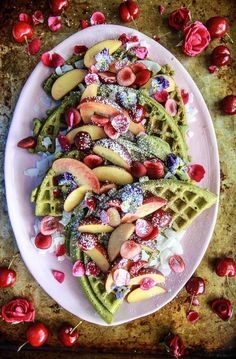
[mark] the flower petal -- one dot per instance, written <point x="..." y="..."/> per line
<point x="37" y="17"/>
<point x="161" y="96"/>
<point x="161" y="9"/>
<point x="54" y="23"/>
<point x="84" y="24"/>
<point x="196" y="172"/>
<point x="52" y="59"/>
<point x="80" y="49"/>
<point x="185" y="96"/>
<point x="212" y="69"/>
<point x="97" y="18"/>
<point x="25" y="17"/>
<point x="58" y="275"/>
<point x="34" y="46"/>
<point x="171" y="107"/>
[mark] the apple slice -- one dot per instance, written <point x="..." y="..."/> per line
<point x="74" y="198"/>
<point x="118" y="237"/>
<point x="90" y="91"/>
<point x="111" y="45"/>
<point x="113" y="174"/>
<point x="99" y="255"/>
<point x="139" y="294"/>
<point x="95" y="132"/>
<point x="82" y="173"/>
<point x="67" y="82"/>
<point x="94" y="225"/>
<point x="149" y="206"/>
<point x="147" y="273"/>
<point x="113" y="152"/>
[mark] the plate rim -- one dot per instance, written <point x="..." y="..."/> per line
<point x="213" y="137"/>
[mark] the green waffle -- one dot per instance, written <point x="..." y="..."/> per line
<point x="185" y="200"/>
<point x="180" y="118"/>
<point x="161" y="124"/>
<point x="96" y="300"/>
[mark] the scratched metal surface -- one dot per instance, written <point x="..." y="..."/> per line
<point x="143" y="336"/>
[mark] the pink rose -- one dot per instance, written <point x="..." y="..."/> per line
<point x="18" y="310"/>
<point x="179" y="18"/>
<point x="196" y="38"/>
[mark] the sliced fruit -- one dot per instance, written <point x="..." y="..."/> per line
<point x="107" y="77"/>
<point x="142" y="77"/>
<point x="149" y="206"/>
<point x="82" y="173"/>
<point x="139" y="294"/>
<point x="107" y="187"/>
<point x="74" y="198"/>
<point x="90" y="91"/>
<point x="99" y="255"/>
<point x="93" y="161"/>
<point x="104" y="107"/>
<point x="147" y="273"/>
<point x="109" y="283"/>
<point x="67" y="82"/>
<point x="113" y="174"/>
<point x="130" y="249"/>
<point x="125" y="77"/>
<point x="119" y="263"/>
<point x="99" y="120"/>
<point x="118" y="237"/>
<point x="137" y="67"/>
<point x="153" y="66"/>
<point x="114" y="216"/>
<point x="113" y="152"/>
<point x="111" y="45"/>
<point x="95" y="132"/>
<point x="94" y="225"/>
<point x="136" y="128"/>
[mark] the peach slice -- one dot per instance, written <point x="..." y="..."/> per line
<point x="90" y="91"/>
<point x="67" y="82"/>
<point x="139" y="294"/>
<point x="113" y="152"/>
<point x="94" y="227"/>
<point x="120" y="234"/>
<point x="111" y="45"/>
<point x="149" y="206"/>
<point x="95" y="132"/>
<point x="147" y="273"/>
<point x="98" y="105"/>
<point x="99" y="255"/>
<point x="74" y="198"/>
<point x="113" y="174"/>
<point x="136" y="128"/>
<point x="82" y="173"/>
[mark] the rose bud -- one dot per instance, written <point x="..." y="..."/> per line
<point x="223" y="308"/>
<point x="174" y="345"/>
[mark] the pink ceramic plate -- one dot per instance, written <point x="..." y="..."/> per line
<point x="203" y="148"/>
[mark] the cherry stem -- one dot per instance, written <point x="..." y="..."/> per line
<point x="20" y="347"/>
<point x="191" y="302"/>
<point x="229" y="286"/>
<point x="76" y="327"/>
<point x="11" y="262"/>
<point x="135" y="24"/>
<point x="179" y="43"/>
<point x="230" y="38"/>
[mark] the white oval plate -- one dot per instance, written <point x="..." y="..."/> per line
<point x="202" y="147"/>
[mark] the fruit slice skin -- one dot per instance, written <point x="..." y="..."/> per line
<point x="149" y="206"/>
<point x="95" y="132"/>
<point x="113" y="174"/>
<point x="90" y="91"/>
<point x="139" y="294"/>
<point x="113" y="152"/>
<point x="82" y="173"/>
<point x="74" y="198"/>
<point x="147" y="273"/>
<point x="111" y="45"/>
<point x="121" y="234"/>
<point x="98" y="105"/>
<point x="95" y="228"/>
<point x="67" y="82"/>
<point x="99" y="255"/>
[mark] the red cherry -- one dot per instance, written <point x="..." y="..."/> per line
<point x="57" y="193"/>
<point x="217" y="26"/>
<point x="229" y="105"/>
<point x="221" y="56"/>
<point x="138" y="169"/>
<point x="21" y="31"/>
<point x="7" y="277"/>
<point x="43" y="242"/>
<point x="57" y="6"/>
<point x="155" y="169"/>
<point x="192" y="316"/>
<point x="67" y="335"/>
<point x="133" y="9"/>
<point x="161" y="219"/>
<point x="152" y="235"/>
<point x="226" y="267"/>
<point x="128" y="10"/>
<point x="142" y="77"/>
<point x="137" y="114"/>
<point x="93" y="161"/>
<point x="37" y="334"/>
<point x="83" y="141"/>
<point x="195" y="286"/>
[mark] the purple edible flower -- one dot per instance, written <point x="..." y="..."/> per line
<point x="159" y="84"/>
<point x="120" y="292"/>
<point x="175" y="164"/>
<point x="103" y="59"/>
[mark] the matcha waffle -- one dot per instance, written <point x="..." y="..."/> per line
<point x="185" y="200"/>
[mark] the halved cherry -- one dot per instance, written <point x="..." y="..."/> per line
<point x="152" y="235"/>
<point x="125" y="77"/>
<point x="177" y="264"/>
<point x="111" y="132"/>
<point x="49" y="225"/>
<point x="99" y="120"/>
<point x="43" y="242"/>
<point x="136" y="266"/>
<point x="143" y="228"/>
<point x="137" y="67"/>
<point x="142" y="77"/>
<point x="93" y="161"/>
<point x="137" y="169"/>
<point x="137" y="113"/>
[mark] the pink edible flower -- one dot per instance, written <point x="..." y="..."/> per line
<point x="185" y="96"/>
<point x="124" y="38"/>
<point x="25" y="17"/>
<point x="84" y="24"/>
<point x="58" y="275"/>
<point x="92" y="79"/>
<point x="140" y="51"/>
<point x="196" y="172"/>
<point x="52" y="59"/>
<point x="54" y="23"/>
<point x="97" y="18"/>
<point x="161" y="9"/>
<point x="212" y="69"/>
<point x="171" y="107"/>
<point x="37" y="17"/>
<point x="34" y="46"/>
<point x="78" y="269"/>
<point x="147" y="283"/>
<point x="196" y="38"/>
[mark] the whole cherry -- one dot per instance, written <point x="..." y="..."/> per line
<point x="128" y="10"/>
<point x="217" y="26"/>
<point x="226" y="267"/>
<point x="229" y="105"/>
<point x="68" y="335"/>
<point x="7" y="275"/>
<point x="58" y="6"/>
<point x="195" y="286"/>
<point x="22" y="31"/>
<point x="36" y="334"/>
<point x="221" y="56"/>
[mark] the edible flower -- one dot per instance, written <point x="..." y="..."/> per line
<point x="103" y="60"/>
<point x="34" y="46"/>
<point x="174" y="345"/>
<point x="18" y="310"/>
<point x="132" y="198"/>
<point x="176" y="165"/>
<point x="38" y="17"/>
<point x="128" y="99"/>
<point x="140" y="52"/>
<point x="120" y="291"/>
<point x="92" y="79"/>
<point x="54" y="23"/>
<point x="159" y="84"/>
<point x="52" y="59"/>
<point x="223" y="308"/>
